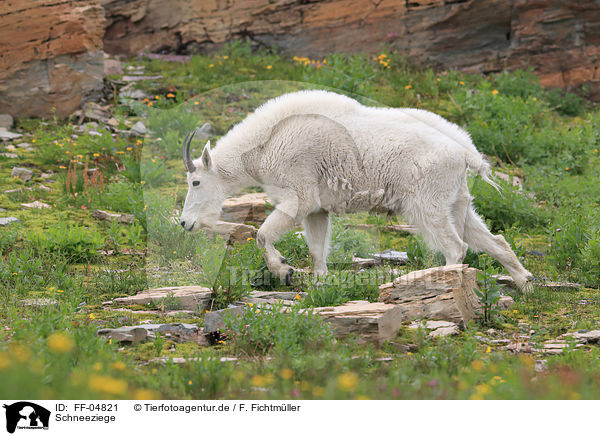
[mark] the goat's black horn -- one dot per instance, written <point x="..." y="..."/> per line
<point x="187" y="160"/>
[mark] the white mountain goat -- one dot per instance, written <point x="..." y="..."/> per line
<point x="316" y="153"/>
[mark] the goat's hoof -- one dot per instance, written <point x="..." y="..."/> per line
<point x="288" y="277"/>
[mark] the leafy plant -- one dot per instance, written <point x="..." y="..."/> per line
<point x="77" y="244"/>
<point x="489" y="294"/>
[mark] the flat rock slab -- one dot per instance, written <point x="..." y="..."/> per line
<point x="39" y="302"/>
<point x="22" y="173"/>
<point x="189" y="297"/>
<point x="138" y="78"/>
<point x="585" y="337"/>
<point x="438" y="328"/>
<point x="361" y="262"/>
<point x="36" y="205"/>
<point x="184" y="360"/>
<point x="279" y="295"/>
<point x="441" y="293"/>
<point x="246" y="208"/>
<point x="371" y="322"/>
<point x="390" y="255"/>
<point x="215" y="320"/>
<point x="505" y="302"/>
<point x="102" y="215"/>
<point x="7" y="220"/>
<point x="5" y="134"/>
<point x="178" y="332"/>
<point x="235" y="232"/>
<point x="507" y="280"/>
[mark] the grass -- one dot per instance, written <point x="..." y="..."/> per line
<point x="548" y="138"/>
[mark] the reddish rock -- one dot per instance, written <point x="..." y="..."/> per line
<point x="50" y="55"/>
<point x="560" y="40"/>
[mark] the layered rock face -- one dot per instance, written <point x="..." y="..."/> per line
<point x="559" y="39"/>
<point x="50" y="56"/>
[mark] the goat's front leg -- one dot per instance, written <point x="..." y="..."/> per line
<point x="275" y="226"/>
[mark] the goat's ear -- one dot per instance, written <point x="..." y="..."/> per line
<point x="206" y="159"/>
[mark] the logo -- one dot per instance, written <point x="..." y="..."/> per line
<point x="26" y="415"/>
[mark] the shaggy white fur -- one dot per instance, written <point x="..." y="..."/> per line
<point x="317" y="152"/>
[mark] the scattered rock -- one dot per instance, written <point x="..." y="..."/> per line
<point x="214" y="321"/>
<point x="517" y="182"/>
<point x="505" y="302"/>
<point x="177" y="332"/>
<point x="444" y="292"/>
<point x="184" y="360"/>
<point x="444" y="331"/>
<point x="94" y="111"/>
<point x="360" y="262"/>
<point x="10" y="155"/>
<point x="390" y="255"/>
<point x="138" y="78"/>
<point x="39" y="302"/>
<point x="188" y="297"/>
<point x="536" y="253"/>
<point x="6" y="221"/>
<point x="36" y="205"/>
<point x="14" y="191"/>
<point x="541" y="365"/>
<point x="372" y="322"/>
<point x="47" y="175"/>
<point x="22" y="173"/>
<point x="585" y="337"/>
<point x="6" y="121"/>
<point x="166" y="57"/>
<point x="279" y="295"/>
<point x="102" y="215"/>
<point x="25" y="145"/>
<point x="136" y="94"/>
<point x="245" y="208"/>
<point x="235" y="232"/>
<point x="112" y="67"/>
<point x="508" y="281"/>
<point x="113" y="122"/>
<point x="11" y="147"/>
<point x="5" y="134"/>
<point x="138" y="129"/>
<point x="44" y="188"/>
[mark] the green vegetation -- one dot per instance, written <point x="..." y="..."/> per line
<point x="59" y="264"/>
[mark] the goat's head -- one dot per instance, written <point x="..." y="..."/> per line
<point x="206" y="189"/>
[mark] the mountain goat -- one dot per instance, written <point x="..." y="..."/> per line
<point x="316" y="153"/>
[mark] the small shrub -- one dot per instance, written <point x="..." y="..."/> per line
<point x="347" y="243"/>
<point x="265" y="329"/>
<point x="77" y="244"/>
<point x="489" y="293"/>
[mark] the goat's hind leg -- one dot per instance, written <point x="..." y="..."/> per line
<point x="480" y="238"/>
<point x="317" y="232"/>
<point x="439" y="232"/>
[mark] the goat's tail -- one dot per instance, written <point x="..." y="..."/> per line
<point x="480" y="166"/>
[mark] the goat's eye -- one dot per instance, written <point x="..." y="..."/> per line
<point x="195" y="183"/>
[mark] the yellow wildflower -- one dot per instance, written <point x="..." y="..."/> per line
<point x="488" y="349"/>
<point x="170" y="95"/>
<point x="269" y="67"/>
<point x="149" y="103"/>
<point x="107" y="385"/>
<point x="145" y="394"/>
<point x="118" y="365"/>
<point x="60" y="342"/>
<point x="196" y="103"/>
<point x="225" y="57"/>
<point x="461" y="83"/>
<point x="494" y="92"/>
<point x="477" y="365"/>
<point x="210" y="66"/>
<point x="286" y="373"/>
<point x="189" y="382"/>
<point x="347" y="381"/>
<point x="92" y="316"/>
<point x="297" y="297"/>
<point x="96" y="154"/>
<point x="258" y="381"/>
<point x="407" y="87"/>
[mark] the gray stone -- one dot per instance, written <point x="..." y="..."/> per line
<point x="138" y="78"/>
<point x="360" y="262"/>
<point x="279" y="295"/>
<point x="11" y="148"/>
<point x="24" y="145"/>
<point x="214" y="321"/>
<point x="6" y="221"/>
<point x="6" y="121"/>
<point x="431" y="325"/>
<point x="585" y="337"/>
<point x="5" y="134"/>
<point x="39" y="302"/>
<point x="505" y="302"/>
<point x="188" y="297"/>
<point x="112" y="67"/>
<point x="136" y="94"/>
<point x="138" y="129"/>
<point x="102" y="215"/>
<point x="390" y="255"/>
<point x="177" y="332"/>
<point x="444" y="331"/>
<point x="36" y="205"/>
<point x="10" y="155"/>
<point x="22" y="173"/>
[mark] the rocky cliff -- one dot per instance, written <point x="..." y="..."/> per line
<point x="559" y="39"/>
<point x="50" y="55"/>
